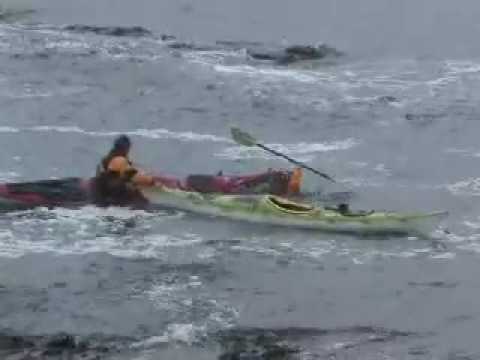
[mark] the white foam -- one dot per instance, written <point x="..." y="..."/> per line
<point x="343" y="82"/>
<point x="457" y="151"/>
<point x="177" y="298"/>
<point x="167" y="134"/>
<point x="469" y="187"/>
<point x="464" y="152"/>
<point x="471" y="247"/>
<point x="28" y="244"/>
<point x="257" y="250"/>
<point x="61" y="129"/>
<point x="241" y="152"/>
<point x="473" y="225"/>
<point x="94" y="213"/>
<point x="463" y="67"/>
<point x="8" y="129"/>
<point x="381" y="168"/>
<point x="90" y="230"/>
<point x="272" y="73"/>
<point x="358" y="164"/>
<point x="177" y="333"/>
<point x="8" y="176"/>
<point x="316" y="250"/>
<point x="305" y="148"/>
<point x="340" y="345"/>
<point x="442" y="81"/>
<point x="447" y="256"/>
<point x="363" y="182"/>
<point x="162" y="295"/>
<point x="459" y="239"/>
<point x="185" y="333"/>
<point x="158" y="133"/>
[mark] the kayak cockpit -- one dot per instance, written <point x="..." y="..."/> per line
<point x="289" y="206"/>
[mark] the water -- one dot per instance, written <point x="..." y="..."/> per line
<point x="395" y="119"/>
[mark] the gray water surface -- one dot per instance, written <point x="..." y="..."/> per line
<point x="395" y="119"/>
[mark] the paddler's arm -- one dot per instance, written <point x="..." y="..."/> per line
<point x="142" y="179"/>
<point x="122" y="166"/>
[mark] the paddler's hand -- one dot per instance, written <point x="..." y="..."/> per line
<point x="141" y="179"/>
<point x="156" y="183"/>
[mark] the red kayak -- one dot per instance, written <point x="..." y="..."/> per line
<point x="277" y="182"/>
<point x="69" y="192"/>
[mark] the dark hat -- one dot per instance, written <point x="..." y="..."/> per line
<point x="122" y="142"/>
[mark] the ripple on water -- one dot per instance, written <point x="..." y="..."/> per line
<point x="192" y="311"/>
<point x="117" y="231"/>
<point x="301" y="247"/>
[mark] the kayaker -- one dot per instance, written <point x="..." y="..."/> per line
<point x="117" y="180"/>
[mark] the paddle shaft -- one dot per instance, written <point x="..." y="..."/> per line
<point x="293" y="161"/>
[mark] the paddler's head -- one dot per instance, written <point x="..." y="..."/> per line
<point x="122" y="144"/>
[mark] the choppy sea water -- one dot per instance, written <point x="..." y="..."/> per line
<point x="399" y="129"/>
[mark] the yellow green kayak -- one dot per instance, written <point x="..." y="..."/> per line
<point x="279" y="211"/>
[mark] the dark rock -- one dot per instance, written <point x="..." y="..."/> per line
<point x="294" y="53"/>
<point x="133" y="31"/>
<point x="60" y="284"/>
<point x="61" y="341"/>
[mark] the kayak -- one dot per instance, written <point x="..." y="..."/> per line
<point x="68" y="192"/>
<point x="268" y="209"/>
<point x="279" y="211"/>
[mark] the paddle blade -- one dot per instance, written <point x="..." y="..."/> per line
<point x="242" y="138"/>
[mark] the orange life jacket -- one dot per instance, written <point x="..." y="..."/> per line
<point x="116" y="181"/>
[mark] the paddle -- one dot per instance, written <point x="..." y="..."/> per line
<point x="245" y="139"/>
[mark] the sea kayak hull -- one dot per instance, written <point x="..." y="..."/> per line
<point x="278" y="211"/>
